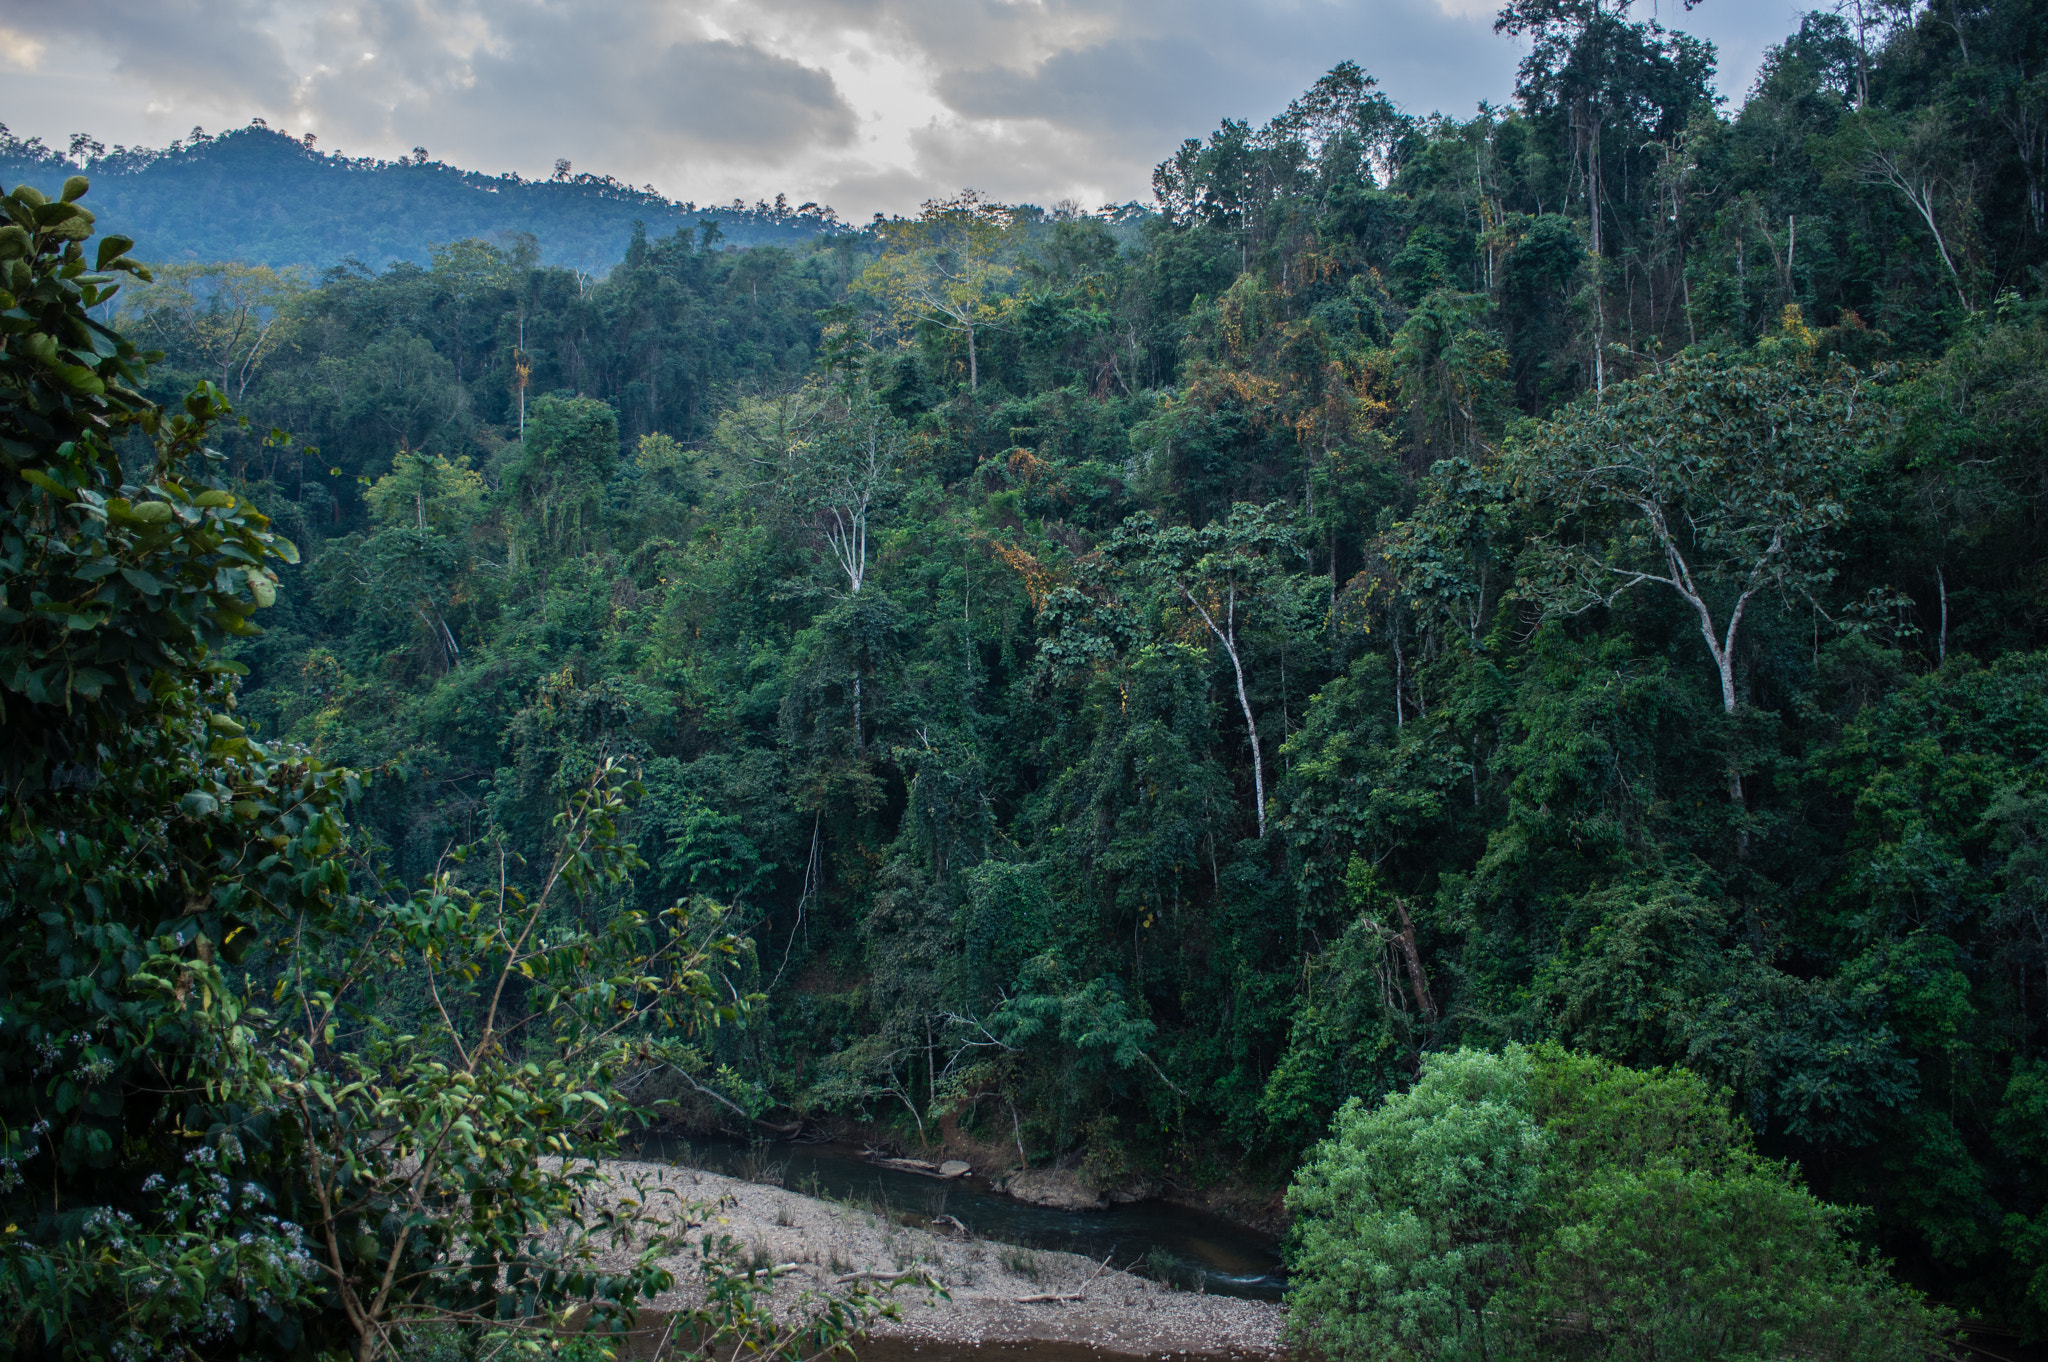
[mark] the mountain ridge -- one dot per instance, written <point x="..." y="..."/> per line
<point x="258" y="196"/>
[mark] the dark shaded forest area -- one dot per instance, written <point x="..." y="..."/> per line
<point x="1570" y="575"/>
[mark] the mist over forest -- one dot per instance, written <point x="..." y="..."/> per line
<point x="255" y="196"/>
<point x="1467" y="690"/>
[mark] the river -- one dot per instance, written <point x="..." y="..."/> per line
<point x="1187" y="1248"/>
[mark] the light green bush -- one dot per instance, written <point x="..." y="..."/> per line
<point x="1544" y="1204"/>
<point x="1408" y="1214"/>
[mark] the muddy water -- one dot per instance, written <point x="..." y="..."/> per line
<point x="1185" y="1247"/>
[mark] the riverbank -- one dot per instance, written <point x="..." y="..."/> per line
<point x="1188" y="1181"/>
<point x="996" y="1294"/>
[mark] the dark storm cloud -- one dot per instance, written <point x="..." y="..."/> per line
<point x="711" y="96"/>
<point x="1131" y="80"/>
<point x="1152" y="66"/>
<point x="1146" y="74"/>
<point x="595" y="82"/>
<point x="734" y="95"/>
<point x="1201" y="62"/>
<point x="1144" y="88"/>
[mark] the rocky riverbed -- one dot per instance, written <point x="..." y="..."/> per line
<point x="994" y="1293"/>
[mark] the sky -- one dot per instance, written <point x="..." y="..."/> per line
<point x="867" y="105"/>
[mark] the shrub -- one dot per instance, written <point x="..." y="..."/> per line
<point x="1549" y="1204"/>
<point x="1409" y="1213"/>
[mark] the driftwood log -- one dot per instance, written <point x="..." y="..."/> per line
<point x="950" y="1169"/>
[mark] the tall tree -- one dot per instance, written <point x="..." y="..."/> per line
<point x="1590" y="68"/>
<point x="1715" y="479"/>
<point x="944" y="268"/>
<point x="1224" y="573"/>
<point x="229" y="318"/>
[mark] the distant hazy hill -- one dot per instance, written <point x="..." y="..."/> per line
<point x="261" y="197"/>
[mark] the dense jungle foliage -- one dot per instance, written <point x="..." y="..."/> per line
<point x="1573" y="575"/>
<point x="227" y="1125"/>
<point x="1543" y="1204"/>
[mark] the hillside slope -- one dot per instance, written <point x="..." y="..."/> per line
<point x="260" y="197"/>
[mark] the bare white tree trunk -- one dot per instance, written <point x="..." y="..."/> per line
<point x="846" y="534"/>
<point x="1599" y="273"/>
<point x="1400" y="666"/>
<point x="1226" y="634"/>
<point x="1919" y="189"/>
<point x="1941" y="585"/>
<point x="1721" y="643"/>
<point x="1679" y="578"/>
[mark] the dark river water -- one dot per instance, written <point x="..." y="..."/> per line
<point x="1188" y="1248"/>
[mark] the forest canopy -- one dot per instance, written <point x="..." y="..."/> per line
<point x="1563" y="587"/>
<point x="258" y="196"/>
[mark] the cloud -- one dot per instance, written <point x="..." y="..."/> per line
<point x="1150" y="87"/>
<point x="866" y="104"/>
<point x="952" y="33"/>
<point x="735" y="96"/>
<point x="18" y="51"/>
<point x="863" y="188"/>
<point x="1028" y="161"/>
<point x="1120" y="97"/>
<point x="1470" y="9"/>
<point x="603" y="85"/>
<point x="190" y="48"/>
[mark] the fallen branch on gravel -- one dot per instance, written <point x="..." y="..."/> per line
<point x="1048" y="1297"/>
<point x="893" y="1278"/>
<point x="784" y="1131"/>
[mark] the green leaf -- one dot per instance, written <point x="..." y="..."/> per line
<point x="142" y="581"/>
<point x="199" y="804"/>
<point x="47" y="483"/>
<point x="236" y="625"/>
<point x="112" y="248"/>
<point x="78" y="378"/>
